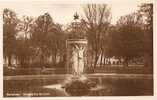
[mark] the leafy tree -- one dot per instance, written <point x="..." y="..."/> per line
<point x="42" y="26"/>
<point x="48" y="38"/>
<point x="9" y="33"/>
<point x="146" y="12"/>
<point x="24" y="51"/>
<point x="56" y="43"/>
<point x="127" y="39"/>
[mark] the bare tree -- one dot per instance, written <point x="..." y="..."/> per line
<point x="98" y="19"/>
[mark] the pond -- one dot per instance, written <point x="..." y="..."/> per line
<point x="52" y="87"/>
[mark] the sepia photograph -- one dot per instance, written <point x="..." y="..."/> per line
<point x="77" y="49"/>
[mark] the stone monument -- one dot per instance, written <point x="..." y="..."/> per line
<point x="76" y="45"/>
<point x="75" y="56"/>
<point x="78" y="84"/>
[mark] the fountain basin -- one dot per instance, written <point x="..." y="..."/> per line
<point x="79" y="86"/>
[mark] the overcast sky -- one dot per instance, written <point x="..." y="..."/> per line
<point x="63" y="13"/>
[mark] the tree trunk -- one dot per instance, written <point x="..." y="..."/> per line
<point x="104" y="61"/>
<point x="21" y="61"/>
<point x="43" y="60"/>
<point x="9" y="60"/>
<point x="95" y="60"/>
<point x="90" y="59"/>
<point x="125" y="64"/>
<point x="148" y="62"/>
<point x="101" y="59"/>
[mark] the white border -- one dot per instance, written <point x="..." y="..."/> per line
<point x="83" y="98"/>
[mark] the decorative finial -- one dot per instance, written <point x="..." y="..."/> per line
<point x="76" y="16"/>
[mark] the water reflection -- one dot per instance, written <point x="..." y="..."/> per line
<point x="108" y="87"/>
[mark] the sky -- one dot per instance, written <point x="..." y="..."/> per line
<point x="63" y="12"/>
